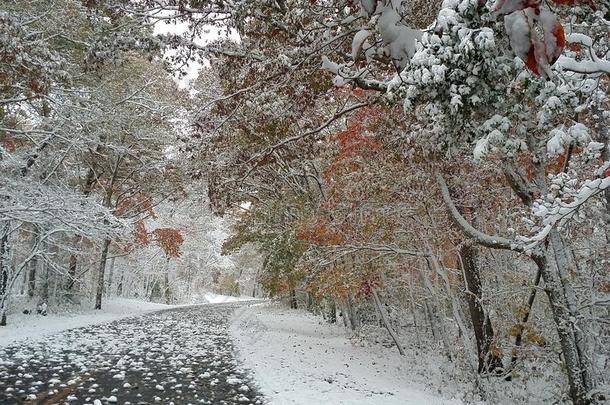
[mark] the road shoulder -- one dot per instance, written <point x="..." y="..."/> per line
<point x="297" y="358"/>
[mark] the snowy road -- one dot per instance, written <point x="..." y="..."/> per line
<point x="181" y="355"/>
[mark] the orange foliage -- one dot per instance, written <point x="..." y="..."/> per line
<point x="140" y="233"/>
<point x="319" y="233"/>
<point x="560" y="161"/>
<point x="8" y="143"/>
<point x="138" y="201"/>
<point x="354" y="144"/>
<point x="342" y="281"/>
<point x="170" y="240"/>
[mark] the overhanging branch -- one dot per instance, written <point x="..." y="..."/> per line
<point x="494" y="242"/>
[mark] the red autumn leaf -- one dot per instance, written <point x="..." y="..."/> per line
<point x="553" y="35"/>
<point x="532" y="63"/>
<point x="537" y="37"/>
<point x="589" y="3"/>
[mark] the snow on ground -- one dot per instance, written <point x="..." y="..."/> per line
<point x="212" y="298"/>
<point x="297" y="358"/>
<point x="33" y="327"/>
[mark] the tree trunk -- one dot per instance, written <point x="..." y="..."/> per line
<point x="24" y="282"/>
<point x="166" y="283"/>
<point x="100" y="275"/>
<point x="310" y="303"/>
<point x="434" y="311"/>
<point x="293" y="299"/>
<point x="526" y="315"/>
<point x="413" y="312"/>
<point x="71" y="272"/>
<point x="110" y="275"/>
<point x="386" y="322"/>
<point x="4" y="265"/>
<point x="332" y="313"/>
<point x="562" y="299"/>
<point x="345" y="317"/>
<point x="431" y="321"/>
<point x="73" y="261"/>
<point x="561" y="296"/>
<point x="439" y="269"/>
<point x="33" y="264"/>
<point x="44" y="291"/>
<point x="352" y="314"/>
<point x="565" y="330"/>
<point x="4" y="270"/>
<point x="488" y="361"/>
<point x="119" y="287"/>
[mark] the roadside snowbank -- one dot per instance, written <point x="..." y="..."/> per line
<point x="298" y="359"/>
<point x="32" y="327"/>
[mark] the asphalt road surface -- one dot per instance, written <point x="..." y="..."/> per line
<point x="179" y="356"/>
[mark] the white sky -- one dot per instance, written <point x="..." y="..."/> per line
<point x="210" y="33"/>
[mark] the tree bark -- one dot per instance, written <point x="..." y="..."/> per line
<point x="310" y="303"/>
<point x="44" y="290"/>
<point x="431" y="321"/>
<point x="71" y="272"/>
<point x="293" y="299"/>
<point x="386" y="322"/>
<point x="332" y="312"/>
<point x="110" y="275"/>
<point x="100" y="275"/>
<point x="33" y="264"/>
<point x="119" y="287"/>
<point x="564" y="305"/>
<point x="352" y="314"/>
<point x="526" y="315"/>
<point x="344" y="316"/>
<point x="488" y="361"/>
<point x="434" y="311"/>
<point x="413" y="312"/>
<point x="435" y="264"/>
<point x="166" y="283"/>
<point x="4" y="272"/>
<point x="565" y="331"/>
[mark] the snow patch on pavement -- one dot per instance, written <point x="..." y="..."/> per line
<point x="162" y="357"/>
<point x="297" y="358"/>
